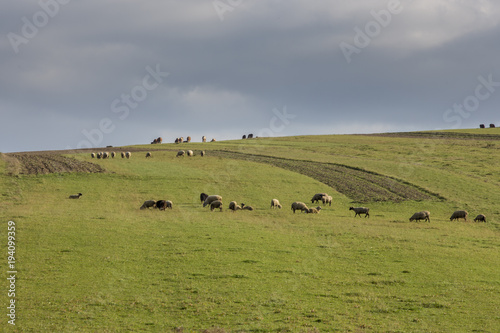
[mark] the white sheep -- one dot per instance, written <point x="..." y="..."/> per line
<point x="203" y="139"/>
<point x="480" y="218"/>
<point x="92" y="155"/>
<point x="202" y="153"/>
<point x="180" y="153"/>
<point x="123" y="154"/>
<point x="210" y="199"/>
<point x="216" y="204"/>
<point x="233" y="205"/>
<point x="297" y="205"/>
<point x="361" y="210"/>
<point x="128" y="155"/>
<point x="113" y="154"/>
<point x="327" y="199"/>
<point x="189" y="153"/>
<point x="313" y="210"/>
<point x="148" y="154"/>
<point x="148" y="204"/>
<point x="275" y="203"/>
<point x="459" y="214"/>
<point x="423" y="215"/>
<point x="75" y="196"/>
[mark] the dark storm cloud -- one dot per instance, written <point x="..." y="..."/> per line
<point x="232" y="65"/>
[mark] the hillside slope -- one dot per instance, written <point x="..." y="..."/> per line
<point x="100" y="263"/>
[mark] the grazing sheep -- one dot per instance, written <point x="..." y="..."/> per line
<point x="180" y="153"/>
<point x="318" y="196"/>
<point x="275" y="204"/>
<point x="148" y="204"/>
<point x="203" y="139"/>
<point x="128" y="154"/>
<point x="492" y="125"/>
<point x="92" y="155"/>
<point x="297" y="205"/>
<point x="188" y="139"/>
<point x="123" y="154"/>
<point x="481" y="126"/>
<point x="360" y="210"/>
<point x="203" y="197"/>
<point x="213" y="140"/>
<point x="246" y="207"/>
<point x="163" y="204"/>
<point x="327" y="199"/>
<point x="148" y="154"/>
<point x="249" y="136"/>
<point x="75" y="196"/>
<point x="210" y="199"/>
<point x="423" y="215"/>
<point x="459" y="214"/>
<point x="157" y="141"/>
<point x="233" y="205"/>
<point x="202" y="153"/>
<point x="313" y="210"/>
<point x="244" y="136"/>
<point x="190" y="153"/>
<point x="480" y="218"/>
<point x="113" y="154"/>
<point x="216" y="204"/>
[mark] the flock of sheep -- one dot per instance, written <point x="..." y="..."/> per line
<point x="105" y="154"/>
<point x="215" y="202"/>
<point x="188" y="139"/>
<point x="182" y="153"/>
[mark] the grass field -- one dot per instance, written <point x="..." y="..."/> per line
<point x="99" y="264"/>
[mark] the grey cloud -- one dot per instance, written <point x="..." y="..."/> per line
<point x="227" y="76"/>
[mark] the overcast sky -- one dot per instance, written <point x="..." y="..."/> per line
<point x="116" y="72"/>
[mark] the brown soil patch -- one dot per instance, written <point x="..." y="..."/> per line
<point x="45" y="163"/>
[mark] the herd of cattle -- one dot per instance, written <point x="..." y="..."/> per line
<point x="215" y="202"/>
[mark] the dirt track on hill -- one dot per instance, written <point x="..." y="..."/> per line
<point x="357" y="184"/>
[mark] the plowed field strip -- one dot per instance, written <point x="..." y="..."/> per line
<point x="357" y="184"/>
<point x="34" y="164"/>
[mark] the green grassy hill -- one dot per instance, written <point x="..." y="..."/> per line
<point x="100" y="264"/>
